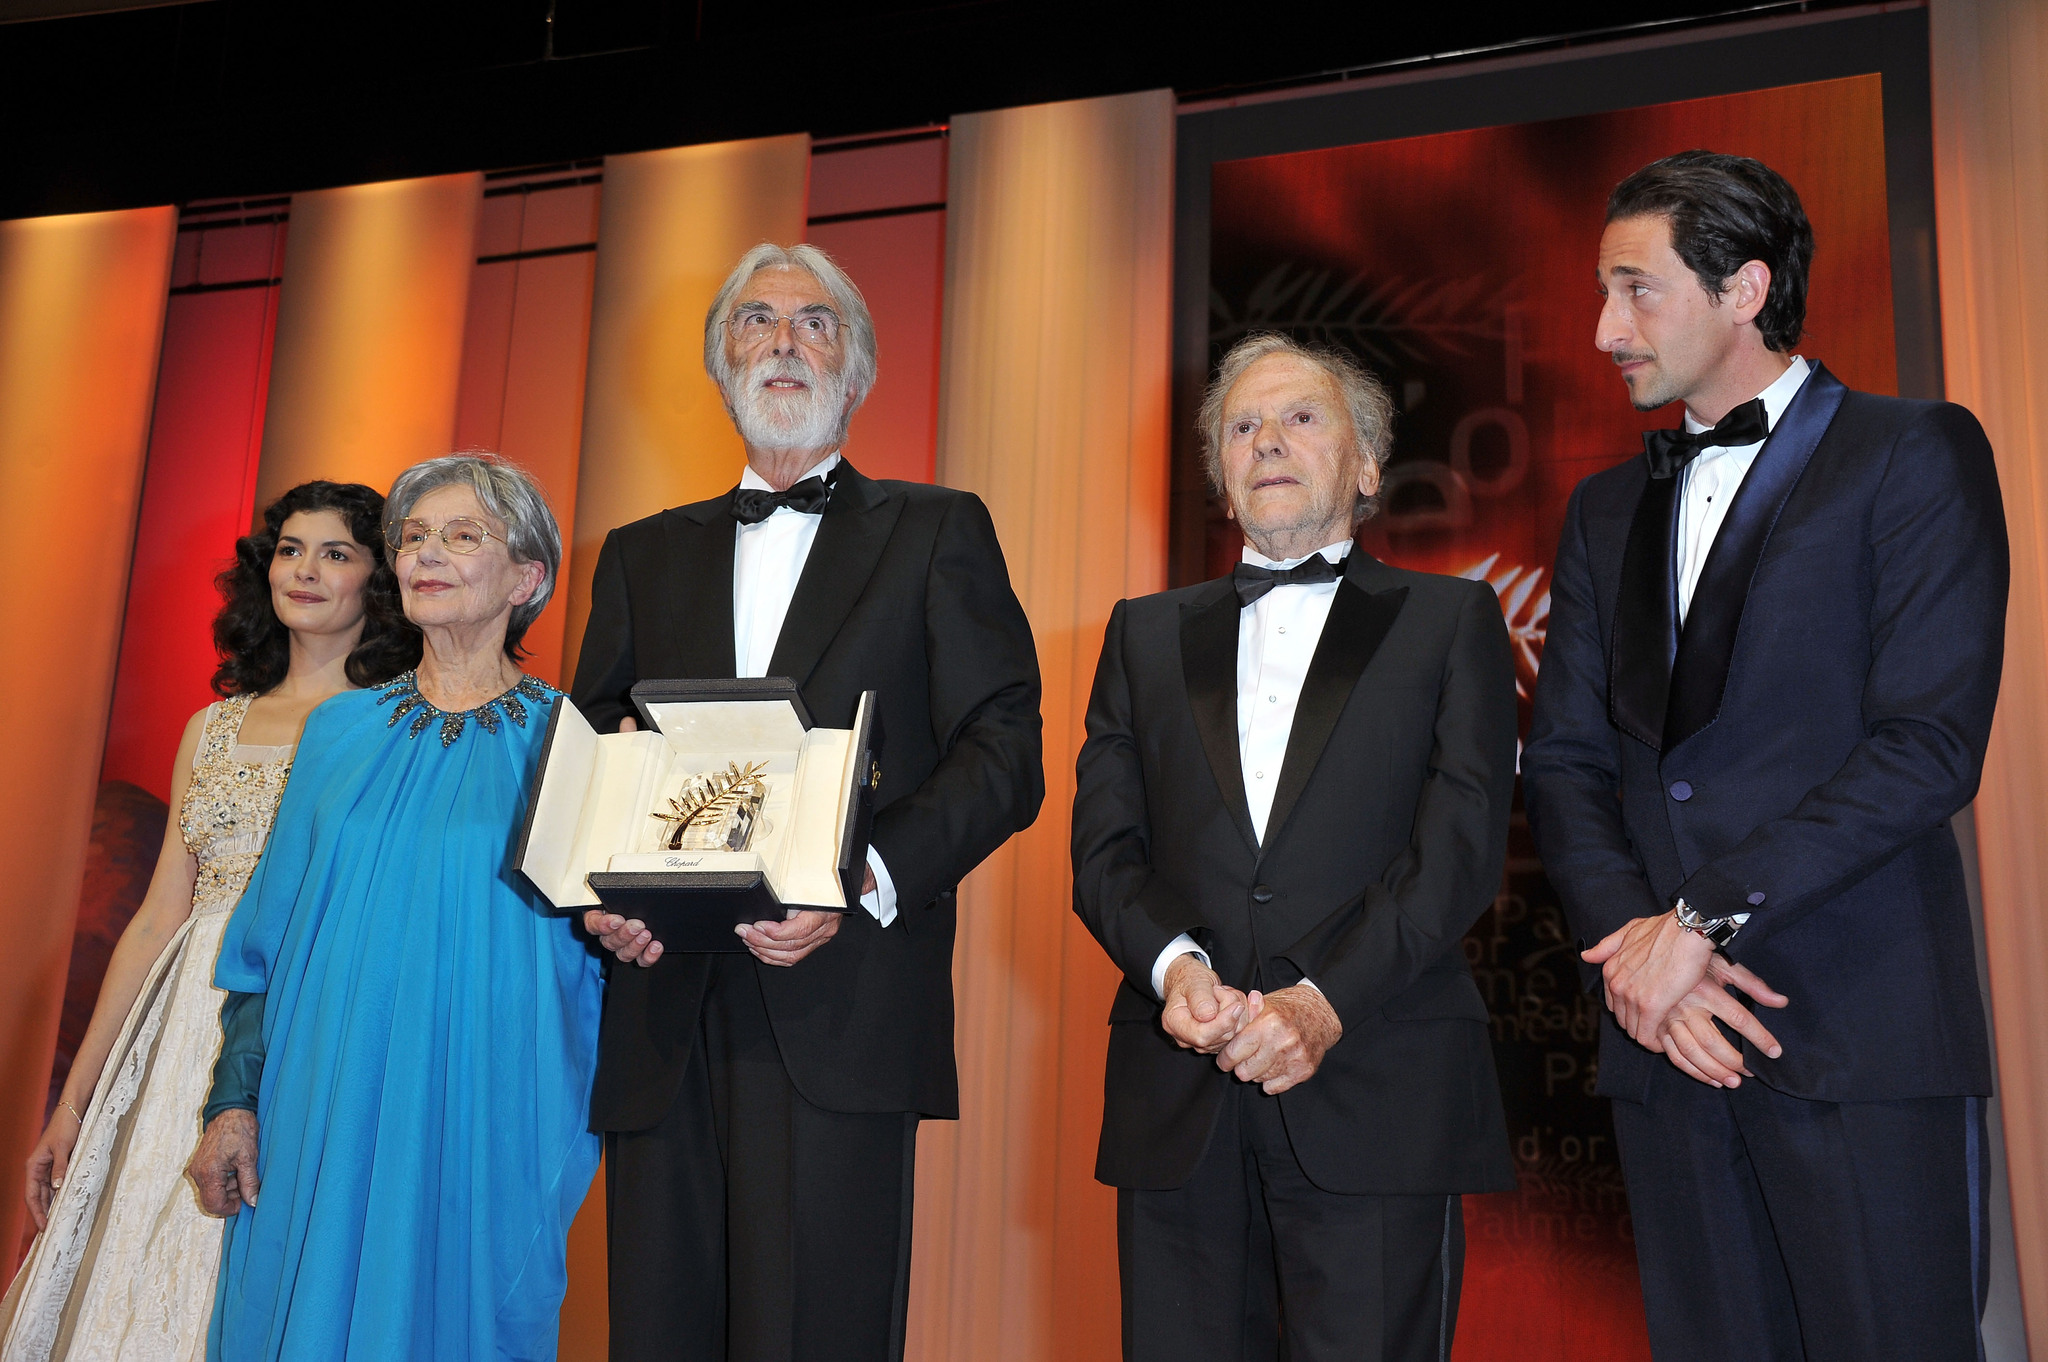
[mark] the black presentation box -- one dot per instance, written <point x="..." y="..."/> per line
<point x="592" y="840"/>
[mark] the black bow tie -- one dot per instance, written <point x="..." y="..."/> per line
<point x="1670" y="450"/>
<point x="752" y="505"/>
<point x="1253" y="582"/>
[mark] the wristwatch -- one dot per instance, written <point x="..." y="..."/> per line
<point x="1717" y="930"/>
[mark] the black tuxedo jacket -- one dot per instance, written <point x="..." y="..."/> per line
<point x="1385" y="843"/>
<point x="905" y="593"/>
<point x="1797" y="750"/>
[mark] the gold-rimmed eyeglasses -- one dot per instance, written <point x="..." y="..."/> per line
<point x="460" y="535"/>
<point x="815" y="327"/>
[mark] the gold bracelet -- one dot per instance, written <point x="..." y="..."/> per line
<point x="73" y="1110"/>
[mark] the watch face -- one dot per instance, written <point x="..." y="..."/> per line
<point x="1717" y="930"/>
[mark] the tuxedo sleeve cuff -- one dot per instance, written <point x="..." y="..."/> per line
<point x="1713" y="894"/>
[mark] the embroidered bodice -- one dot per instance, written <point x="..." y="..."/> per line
<point x="229" y="805"/>
<point x="405" y="689"/>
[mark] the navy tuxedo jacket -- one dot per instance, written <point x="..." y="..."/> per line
<point x="1796" y="750"/>
<point x="1385" y="843"/>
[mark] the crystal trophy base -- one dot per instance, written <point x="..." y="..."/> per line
<point x="715" y="811"/>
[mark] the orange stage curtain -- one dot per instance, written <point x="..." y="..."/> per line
<point x="81" y="314"/>
<point x="368" y="356"/>
<point x="655" y="433"/>
<point x="1990" y="67"/>
<point x="1053" y="407"/>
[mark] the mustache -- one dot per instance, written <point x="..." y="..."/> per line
<point x="771" y="367"/>
<point x="1632" y="356"/>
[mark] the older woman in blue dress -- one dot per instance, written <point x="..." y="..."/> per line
<point x="398" y="1118"/>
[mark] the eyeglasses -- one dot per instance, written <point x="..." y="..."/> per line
<point x="817" y="328"/>
<point x="457" y="536"/>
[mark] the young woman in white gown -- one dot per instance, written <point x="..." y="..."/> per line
<point x="123" y="1267"/>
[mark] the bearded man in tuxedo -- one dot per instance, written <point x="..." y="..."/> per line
<point x="1291" y="805"/>
<point x="1774" y="647"/>
<point x="760" y="1107"/>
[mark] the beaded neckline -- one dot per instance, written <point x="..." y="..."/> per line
<point x="490" y="715"/>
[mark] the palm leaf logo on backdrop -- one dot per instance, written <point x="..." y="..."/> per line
<point x="1526" y="610"/>
<point x="1397" y="325"/>
<point x="1391" y="323"/>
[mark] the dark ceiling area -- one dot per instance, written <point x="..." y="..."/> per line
<point x="223" y="98"/>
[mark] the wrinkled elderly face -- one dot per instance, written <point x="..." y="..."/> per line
<point x="787" y="391"/>
<point x="1290" y="460"/>
<point x="446" y="589"/>
<point x="1664" y="330"/>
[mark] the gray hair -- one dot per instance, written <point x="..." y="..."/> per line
<point x="857" y="326"/>
<point x="1365" y="399"/>
<point x="509" y="493"/>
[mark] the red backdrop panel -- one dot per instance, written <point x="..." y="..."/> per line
<point x="1460" y="268"/>
<point x="205" y="435"/>
<point x="899" y="263"/>
<point x="878" y="209"/>
<point x="524" y="352"/>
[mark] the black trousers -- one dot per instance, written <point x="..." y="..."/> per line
<point x="1250" y="1254"/>
<point x="1774" y="1229"/>
<point x="751" y="1225"/>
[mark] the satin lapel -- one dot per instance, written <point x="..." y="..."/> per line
<point x="851" y="536"/>
<point x="1358" y="624"/>
<point x="1707" y="646"/>
<point x="703" y="589"/>
<point x="1645" y="617"/>
<point x="1208" y="660"/>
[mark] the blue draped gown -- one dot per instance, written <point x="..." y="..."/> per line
<point x="429" y="1038"/>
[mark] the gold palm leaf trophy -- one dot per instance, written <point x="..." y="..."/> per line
<point x="716" y="811"/>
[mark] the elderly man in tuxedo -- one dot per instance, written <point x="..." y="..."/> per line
<point x="1292" y="803"/>
<point x="1774" y="648"/>
<point x="760" y="1107"/>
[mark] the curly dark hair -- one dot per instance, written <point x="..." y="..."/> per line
<point x="1726" y="211"/>
<point x="254" y="645"/>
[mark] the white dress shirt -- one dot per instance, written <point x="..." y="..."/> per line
<point x="1711" y="481"/>
<point x="767" y="559"/>
<point x="1276" y="639"/>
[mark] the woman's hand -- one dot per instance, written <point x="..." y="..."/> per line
<point x="48" y="1162"/>
<point x="224" y="1165"/>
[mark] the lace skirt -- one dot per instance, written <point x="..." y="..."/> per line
<point x="126" y="1269"/>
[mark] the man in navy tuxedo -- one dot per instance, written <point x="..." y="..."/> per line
<point x="1773" y="653"/>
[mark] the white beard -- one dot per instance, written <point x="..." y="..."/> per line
<point x="775" y="418"/>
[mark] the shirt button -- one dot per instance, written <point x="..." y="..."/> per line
<point x="1283" y="628"/>
<point x="1681" y="790"/>
<point x="1272" y="699"/>
<point x="1258" y="775"/>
